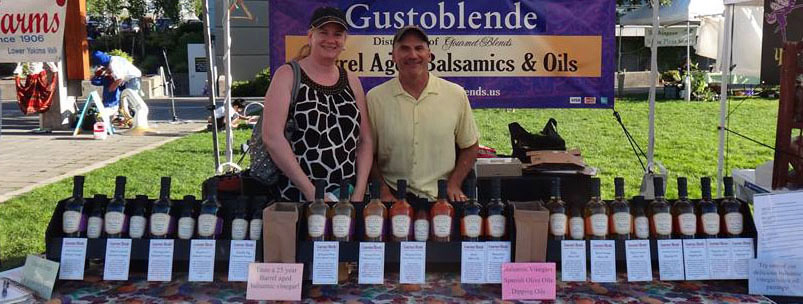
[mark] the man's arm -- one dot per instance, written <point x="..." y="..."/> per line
<point x="464" y="164"/>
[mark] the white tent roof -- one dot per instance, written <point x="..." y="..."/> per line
<point x="679" y="11"/>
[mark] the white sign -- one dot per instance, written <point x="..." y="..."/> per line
<point x="202" y="261"/>
<point x="160" y="260"/>
<point x="670" y="260"/>
<point x="603" y="261"/>
<point x="73" y="259"/>
<point x="497" y="254"/>
<point x="573" y="261"/>
<point x="472" y="263"/>
<point x="241" y="254"/>
<point x="675" y="36"/>
<point x="412" y="262"/>
<point x="776" y="278"/>
<point x="695" y="259"/>
<point x="118" y="260"/>
<point x="32" y="30"/>
<point x="780" y="230"/>
<point x="639" y="260"/>
<point x="372" y="263"/>
<point x="325" y="256"/>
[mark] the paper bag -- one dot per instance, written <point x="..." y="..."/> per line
<point x="279" y="232"/>
<point x="532" y="227"/>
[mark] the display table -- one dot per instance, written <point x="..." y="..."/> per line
<point x="441" y="288"/>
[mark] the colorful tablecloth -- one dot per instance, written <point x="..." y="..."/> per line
<point x="440" y="288"/>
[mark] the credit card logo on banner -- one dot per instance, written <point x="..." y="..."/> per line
<point x="575" y="100"/>
<point x="590" y="100"/>
<point x="603" y="100"/>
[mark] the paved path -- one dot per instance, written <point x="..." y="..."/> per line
<point x="28" y="160"/>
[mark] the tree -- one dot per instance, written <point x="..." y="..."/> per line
<point x="170" y="9"/>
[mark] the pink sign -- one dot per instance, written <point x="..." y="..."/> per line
<point x="528" y="281"/>
<point x="274" y="281"/>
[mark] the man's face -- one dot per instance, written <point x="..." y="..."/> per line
<point x="411" y="55"/>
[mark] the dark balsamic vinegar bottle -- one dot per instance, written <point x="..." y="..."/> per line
<point x="115" y="219"/>
<point x="73" y="218"/>
<point x="208" y="219"/>
<point x="160" y="213"/>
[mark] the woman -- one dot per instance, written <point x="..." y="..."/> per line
<point x="332" y="140"/>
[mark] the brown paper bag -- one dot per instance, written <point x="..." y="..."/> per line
<point x="532" y="227"/>
<point x="279" y="232"/>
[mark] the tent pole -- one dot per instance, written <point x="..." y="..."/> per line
<point x="653" y="77"/>
<point x="687" y="81"/>
<point x="227" y="62"/>
<point x="619" y="73"/>
<point x="723" y="101"/>
<point x="211" y="76"/>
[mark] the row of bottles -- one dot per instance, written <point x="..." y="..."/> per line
<point x="659" y="219"/>
<point x="120" y="218"/>
<point x="406" y="221"/>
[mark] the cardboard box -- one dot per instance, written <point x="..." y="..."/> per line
<point x="564" y="159"/>
<point x="497" y="166"/>
<point x="279" y="228"/>
<point x="532" y="228"/>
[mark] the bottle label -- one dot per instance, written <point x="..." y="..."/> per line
<point x="373" y="226"/>
<point x="94" y="227"/>
<point x="239" y="227"/>
<point x="137" y="228"/>
<point x="687" y="223"/>
<point x="642" y="227"/>
<point x="472" y="225"/>
<point x="207" y="224"/>
<point x="401" y="226"/>
<point x="622" y="222"/>
<point x="663" y="223"/>
<point x="557" y="224"/>
<point x="114" y="222"/>
<point x="316" y="225"/>
<point x="442" y="226"/>
<point x="576" y="228"/>
<point x="710" y="223"/>
<point x="256" y="229"/>
<point x="186" y="228"/>
<point x="341" y="226"/>
<point x="599" y="224"/>
<point x="421" y="230"/>
<point x="496" y="225"/>
<point x="160" y="222"/>
<point x="734" y="222"/>
<point x="71" y="221"/>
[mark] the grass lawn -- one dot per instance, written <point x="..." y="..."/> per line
<point x="686" y="144"/>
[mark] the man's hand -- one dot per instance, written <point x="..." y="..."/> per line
<point x="455" y="193"/>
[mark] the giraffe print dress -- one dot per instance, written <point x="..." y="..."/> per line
<point x="325" y="139"/>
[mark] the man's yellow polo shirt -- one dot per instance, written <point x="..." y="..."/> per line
<point x="415" y="139"/>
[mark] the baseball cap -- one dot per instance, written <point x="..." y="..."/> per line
<point x="410" y="29"/>
<point x="328" y="14"/>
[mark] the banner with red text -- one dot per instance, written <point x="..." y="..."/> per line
<point x="32" y="30"/>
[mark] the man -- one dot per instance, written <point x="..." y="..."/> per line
<point x="122" y="71"/>
<point x="418" y="119"/>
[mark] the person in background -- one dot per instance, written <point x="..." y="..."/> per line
<point x="237" y="108"/>
<point x="111" y="93"/>
<point x="124" y="73"/>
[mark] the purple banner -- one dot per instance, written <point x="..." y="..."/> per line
<point x="506" y="54"/>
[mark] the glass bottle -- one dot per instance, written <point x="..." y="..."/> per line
<point x="421" y="223"/>
<point x="139" y="221"/>
<point x="160" y="212"/>
<point x="495" y="220"/>
<point x="209" y="216"/>
<point x="641" y="222"/>
<point x="558" y="219"/>
<point x="660" y="216"/>
<point x="317" y="212"/>
<point x="344" y="214"/>
<point x="621" y="221"/>
<point x="239" y="222"/>
<point x="255" y="225"/>
<point x="115" y="219"/>
<point x="683" y="213"/>
<point x="374" y="215"/>
<point x="94" y="225"/>
<point x="401" y="213"/>
<point x="730" y="211"/>
<point x="708" y="225"/>
<point x="577" y="228"/>
<point x="596" y="214"/>
<point x="442" y="215"/>
<point x="186" y="221"/>
<point x="471" y="223"/>
<point x="73" y="219"/>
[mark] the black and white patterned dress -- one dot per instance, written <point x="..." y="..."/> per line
<point x="328" y="129"/>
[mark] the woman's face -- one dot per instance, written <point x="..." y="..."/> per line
<point x="327" y="41"/>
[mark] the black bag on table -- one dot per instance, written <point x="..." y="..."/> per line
<point x="523" y="141"/>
